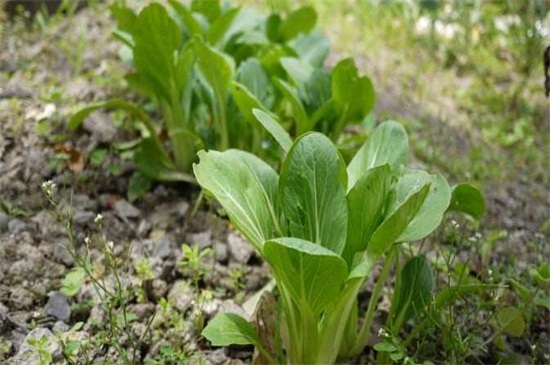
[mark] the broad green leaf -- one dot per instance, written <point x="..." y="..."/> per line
<point x="218" y="33"/>
<point x="392" y="227"/>
<point x="124" y="16"/>
<point x="246" y="187"/>
<point x="230" y="329"/>
<point x="311" y="273"/>
<point x="299" y="71"/>
<point x="154" y="51"/>
<point x="154" y="163"/>
<point x="234" y="23"/>
<point x="300" y="21"/>
<point x="312" y="48"/>
<point x="246" y="101"/>
<point x="186" y="17"/>
<point x="354" y="96"/>
<point x="511" y="321"/>
<point x="252" y="74"/>
<point x="274" y="128"/>
<point x="541" y="274"/>
<point x="467" y="199"/>
<point x="312" y="192"/>
<point x="366" y="203"/>
<point x="388" y="144"/>
<point x="291" y="95"/>
<point x="414" y="292"/>
<point x="431" y="214"/>
<point x="211" y="9"/>
<point x="216" y="67"/>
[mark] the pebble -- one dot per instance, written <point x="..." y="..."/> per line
<point x="159" y="288"/>
<point x="4" y="220"/>
<point x="83" y="217"/>
<point x="142" y="310"/>
<point x="163" y="247"/>
<point x="221" y="252"/>
<point x="21" y="298"/>
<point x="181" y="295"/>
<point x="28" y="354"/>
<point x="100" y="126"/>
<point x="203" y="239"/>
<point x="126" y="210"/>
<point x="58" y="306"/>
<point x="240" y="250"/>
<point x="217" y="357"/>
<point x="16" y="226"/>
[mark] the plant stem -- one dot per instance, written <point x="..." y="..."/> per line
<point x="373" y="303"/>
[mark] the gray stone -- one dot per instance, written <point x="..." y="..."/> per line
<point x="203" y="239"/>
<point x="217" y="357"/>
<point x="60" y="327"/>
<point x="83" y="202"/>
<point x="21" y="298"/>
<point x="142" y="310"/>
<point x="16" y="226"/>
<point x="144" y="227"/>
<point x="159" y="288"/>
<point x="61" y="253"/>
<point x="229" y="306"/>
<point x="100" y="126"/>
<point x="221" y="252"/>
<point x="4" y="220"/>
<point x="162" y="247"/>
<point x="58" y="306"/>
<point x="28" y="353"/>
<point x="181" y="295"/>
<point x="126" y="210"/>
<point x="240" y="250"/>
<point x="83" y="217"/>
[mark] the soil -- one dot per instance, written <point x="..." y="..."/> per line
<point x="45" y="74"/>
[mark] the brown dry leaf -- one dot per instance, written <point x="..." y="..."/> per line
<point x="76" y="158"/>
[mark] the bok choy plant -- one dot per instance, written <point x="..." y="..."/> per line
<point x="322" y="226"/>
<point x="191" y="61"/>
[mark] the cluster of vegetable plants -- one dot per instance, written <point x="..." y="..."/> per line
<point x="323" y="226"/>
<point x="206" y="66"/>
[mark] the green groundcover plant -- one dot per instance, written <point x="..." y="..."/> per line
<point x="206" y="66"/>
<point x="322" y="226"/>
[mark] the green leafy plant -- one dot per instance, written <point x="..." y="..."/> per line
<point x="322" y="227"/>
<point x="205" y="66"/>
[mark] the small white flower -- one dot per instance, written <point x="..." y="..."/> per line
<point x="381" y="332"/>
<point x="111" y="245"/>
<point x="49" y="188"/>
<point x="490" y="272"/>
<point x="98" y="218"/>
<point x="87" y="240"/>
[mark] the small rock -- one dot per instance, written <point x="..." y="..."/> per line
<point x="16" y="226"/>
<point x="58" y="306"/>
<point x="61" y="253"/>
<point x="203" y="239"/>
<point x="221" y="252"/>
<point x="21" y="298"/>
<point x="100" y="126"/>
<point x="28" y="353"/>
<point x="96" y="319"/>
<point x="181" y="296"/>
<point x="211" y="308"/>
<point x="158" y="288"/>
<point x="83" y="202"/>
<point x="142" y="310"/>
<point x="229" y="306"/>
<point x="240" y="250"/>
<point x="217" y="357"/>
<point x="83" y="217"/>
<point x="126" y="210"/>
<point x="163" y="247"/>
<point x="144" y="227"/>
<point x="4" y="220"/>
<point x="60" y="327"/>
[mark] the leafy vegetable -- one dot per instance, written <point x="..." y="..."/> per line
<point x="322" y="226"/>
